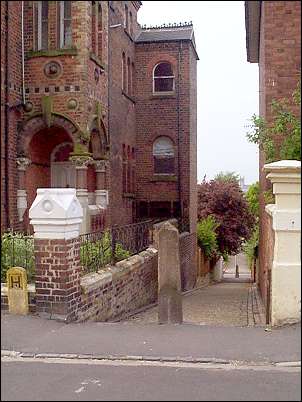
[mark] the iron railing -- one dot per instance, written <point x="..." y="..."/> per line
<point x="17" y="250"/>
<point x="114" y="244"/>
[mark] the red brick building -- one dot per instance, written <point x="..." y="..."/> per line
<point x="273" y="38"/>
<point x="92" y="100"/>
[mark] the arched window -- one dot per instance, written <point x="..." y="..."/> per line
<point x="163" y="156"/>
<point x="124" y="73"/>
<point x="94" y="37"/>
<point x="100" y="31"/>
<point x="41" y="25"/>
<point x="129" y="77"/>
<point x="163" y="78"/>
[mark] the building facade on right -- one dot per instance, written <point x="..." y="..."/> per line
<point x="273" y="40"/>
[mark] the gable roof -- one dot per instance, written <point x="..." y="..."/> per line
<point x="252" y="27"/>
<point x="168" y="33"/>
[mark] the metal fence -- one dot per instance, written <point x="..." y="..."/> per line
<point x="17" y="250"/>
<point x="114" y="244"/>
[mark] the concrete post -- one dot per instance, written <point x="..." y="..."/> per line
<point x="56" y="215"/>
<point x="101" y="193"/>
<point x="81" y="165"/>
<point x="286" y="213"/>
<point x="169" y="276"/>
<point x="22" y="164"/>
<point x="218" y="269"/>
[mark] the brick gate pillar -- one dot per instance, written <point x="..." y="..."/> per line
<point x="56" y="215"/>
<point x="285" y="176"/>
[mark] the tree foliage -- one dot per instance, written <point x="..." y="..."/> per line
<point x="207" y="236"/>
<point x="225" y="202"/>
<point x="252" y="197"/>
<point x="227" y="176"/>
<point x="282" y="137"/>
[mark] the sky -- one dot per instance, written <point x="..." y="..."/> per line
<point x="227" y="85"/>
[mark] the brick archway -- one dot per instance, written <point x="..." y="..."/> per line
<point x="37" y="124"/>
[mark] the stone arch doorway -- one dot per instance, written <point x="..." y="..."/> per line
<point x="48" y="151"/>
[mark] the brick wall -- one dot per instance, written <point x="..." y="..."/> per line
<point x="266" y="254"/>
<point x="279" y="72"/>
<point x="121" y="289"/>
<point x="188" y="263"/>
<point x="167" y="115"/>
<point x="11" y="74"/>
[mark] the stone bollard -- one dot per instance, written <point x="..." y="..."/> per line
<point x="17" y="291"/>
<point x="218" y="270"/>
<point x="56" y="215"/>
<point x="169" y="276"/>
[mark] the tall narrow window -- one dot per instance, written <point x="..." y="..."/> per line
<point x="133" y="178"/>
<point x="163" y="78"/>
<point x="93" y="27"/>
<point x="124" y="169"/>
<point x="129" y="77"/>
<point x="128" y="186"/>
<point x="163" y="155"/>
<point x="124" y="72"/>
<point x="65" y="24"/>
<point x="100" y="31"/>
<point x="131" y="23"/>
<point x="132" y="78"/>
<point x="41" y="25"/>
<point x="126" y="22"/>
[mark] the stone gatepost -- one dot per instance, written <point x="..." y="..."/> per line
<point x="101" y="193"/>
<point x="169" y="276"/>
<point x="81" y="165"/>
<point x="56" y="215"/>
<point x="285" y="176"/>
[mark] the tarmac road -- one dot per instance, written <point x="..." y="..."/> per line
<point x="51" y="380"/>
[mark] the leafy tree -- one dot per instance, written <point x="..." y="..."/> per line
<point x="207" y="237"/>
<point x="225" y="202"/>
<point x="282" y="137"/>
<point x="227" y="176"/>
<point x="252" y="197"/>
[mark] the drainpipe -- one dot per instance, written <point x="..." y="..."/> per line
<point x="6" y="121"/>
<point x="108" y="110"/>
<point x="178" y="131"/>
<point x="22" y="39"/>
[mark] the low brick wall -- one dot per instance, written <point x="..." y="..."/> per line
<point x="31" y="297"/>
<point x="119" y="289"/>
<point x="188" y="260"/>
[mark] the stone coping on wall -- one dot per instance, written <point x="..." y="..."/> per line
<point x="111" y="273"/>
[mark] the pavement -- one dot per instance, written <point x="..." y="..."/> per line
<point x="222" y="351"/>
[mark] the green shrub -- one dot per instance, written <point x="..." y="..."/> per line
<point x="17" y="250"/>
<point x="207" y="237"/>
<point x="96" y="254"/>
<point x="250" y="248"/>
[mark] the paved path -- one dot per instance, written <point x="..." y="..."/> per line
<point x="232" y="302"/>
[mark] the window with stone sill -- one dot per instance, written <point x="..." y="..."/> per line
<point x="65" y="24"/>
<point x="163" y="78"/>
<point x="163" y="156"/>
<point x="40" y="11"/>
